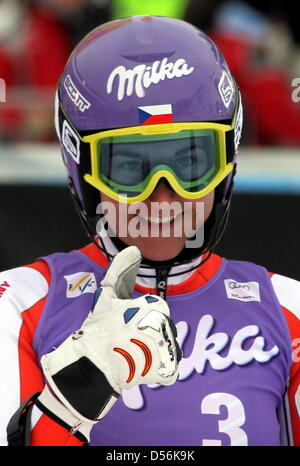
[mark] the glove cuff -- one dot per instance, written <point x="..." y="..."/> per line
<point x="88" y="401"/>
<point x="48" y="403"/>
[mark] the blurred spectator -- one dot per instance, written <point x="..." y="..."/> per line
<point x="202" y="13"/>
<point x="33" y="50"/>
<point x="79" y="16"/>
<point x="36" y="38"/>
<point x="258" y="41"/>
<point x="264" y="56"/>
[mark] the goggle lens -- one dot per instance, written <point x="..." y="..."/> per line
<point x="126" y="164"/>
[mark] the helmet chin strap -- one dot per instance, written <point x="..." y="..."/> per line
<point x="148" y="264"/>
<point x="161" y="269"/>
<point x="110" y="246"/>
<point x="214" y="228"/>
<point x="162" y="272"/>
<point x="192" y="257"/>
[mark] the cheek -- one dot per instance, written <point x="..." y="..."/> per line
<point x="196" y="213"/>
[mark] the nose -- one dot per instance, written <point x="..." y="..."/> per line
<point x="163" y="192"/>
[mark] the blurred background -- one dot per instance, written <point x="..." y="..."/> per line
<point x="261" y="43"/>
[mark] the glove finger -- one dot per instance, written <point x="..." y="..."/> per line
<point x="174" y="331"/>
<point x="121" y="273"/>
<point x="156" y="326"/>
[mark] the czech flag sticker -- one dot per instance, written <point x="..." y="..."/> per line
<point x="155" y="114"/>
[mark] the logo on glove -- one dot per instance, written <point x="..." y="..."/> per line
<point x="130" y="360"/>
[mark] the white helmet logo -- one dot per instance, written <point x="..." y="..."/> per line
<point x="78" y="100"/>
<point x="226" y="89"/>
<point x="71" y="141"/>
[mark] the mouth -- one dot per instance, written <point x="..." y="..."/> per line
<point x="159" y="220"/>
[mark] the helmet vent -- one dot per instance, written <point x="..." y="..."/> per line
<point x="148" y="57"/>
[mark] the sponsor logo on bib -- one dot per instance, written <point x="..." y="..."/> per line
<point x="80" y="283"/>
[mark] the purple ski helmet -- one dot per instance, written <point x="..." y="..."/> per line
<point x="128" y="64"/>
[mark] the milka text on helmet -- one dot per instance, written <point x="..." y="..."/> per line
<point x="143" y="76"/>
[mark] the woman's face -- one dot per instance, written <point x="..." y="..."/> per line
<point x="160" y="225"/>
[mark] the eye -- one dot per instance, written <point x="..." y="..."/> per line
<point x="186" y="161"/>
<point x="131" y="166"/>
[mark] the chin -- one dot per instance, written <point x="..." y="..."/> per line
<point x="161" y="252"/>
<point x="159" y="258"/>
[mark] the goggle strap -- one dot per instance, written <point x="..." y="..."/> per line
<point x="230" y="149"/>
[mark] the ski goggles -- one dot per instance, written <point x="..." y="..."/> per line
<point x="128" y="163"/>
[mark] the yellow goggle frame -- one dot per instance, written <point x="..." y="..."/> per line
<point x="165" y="128"/>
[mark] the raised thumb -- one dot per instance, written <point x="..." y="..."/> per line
<point x="121" y="274"/>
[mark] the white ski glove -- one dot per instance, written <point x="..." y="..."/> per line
<point x="123" y="342"/>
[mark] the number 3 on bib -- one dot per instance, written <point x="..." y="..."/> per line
<point x="230" y="426"/>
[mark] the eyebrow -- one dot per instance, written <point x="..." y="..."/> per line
<point x="187" y="147"/>
<point x="121" y="153"/>
<point x="125" y="152"/>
